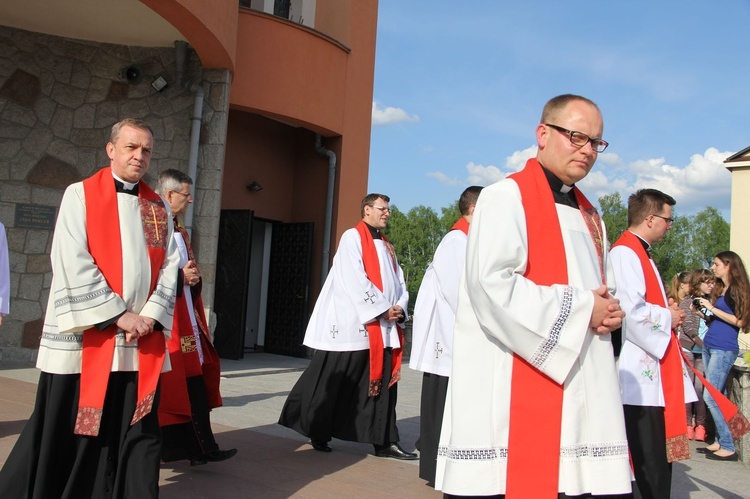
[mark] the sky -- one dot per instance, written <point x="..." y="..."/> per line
<point x="459" y="89"/>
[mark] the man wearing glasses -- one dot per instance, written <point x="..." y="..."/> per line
<point x="191" y="389"/>
<point x="654" y="389"/>
<point x="349" y="389"/>
<point x="533" y="406"/>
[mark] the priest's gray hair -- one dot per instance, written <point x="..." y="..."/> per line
<point x="172" y="180"/>
<point x="131" y="122"/>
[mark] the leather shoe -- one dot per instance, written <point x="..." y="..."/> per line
<point x="320" y="445"/>
<point x="715" y="457"/>
<point x="198" y="461"/>
<point x="219" y="455"/>
<point x="396" y="452"/>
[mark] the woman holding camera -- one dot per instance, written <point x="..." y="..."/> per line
<point x="731" y="309"/>
<point x="692" y="331"/>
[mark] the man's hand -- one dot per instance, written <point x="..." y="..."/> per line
<point x="395" y="313"/>
<point x="607" y="314"/>
<point x="191" y="273"/>
<point x="135" y="325"/>
<point x="677" y="314"/>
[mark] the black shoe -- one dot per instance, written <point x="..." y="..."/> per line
<point x="396" y="452"/>
<point x="219" y="455"/>
<point x="320" y="445"/>
<point x="714" y="457"/>
<point x="704" y="450"/>
<point x="198" y="461"/>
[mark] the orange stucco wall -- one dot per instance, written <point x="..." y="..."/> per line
<point x="210" y="27"/>
<point x="287" y="71"/>
<point x="355" y="149"/>
<point x="283" y="160"/>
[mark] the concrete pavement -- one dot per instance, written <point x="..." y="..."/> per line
<point x="275" y="462"/>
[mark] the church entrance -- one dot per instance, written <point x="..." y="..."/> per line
<point x="262" y="285"/>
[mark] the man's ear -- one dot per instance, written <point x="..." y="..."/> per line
<point x="542" y="134"/>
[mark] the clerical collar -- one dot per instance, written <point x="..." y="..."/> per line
<point x="562" y="193"/>
<point x="646" y="246"/>
<point x="125" y="187"/>
<point x="373" y="231"/>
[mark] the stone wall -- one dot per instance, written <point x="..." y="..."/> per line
<point x="58" y="99"/>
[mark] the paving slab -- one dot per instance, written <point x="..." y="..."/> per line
<point x="276" y="462"/>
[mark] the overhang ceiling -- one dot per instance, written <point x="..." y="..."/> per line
<point x="123" y="22"/>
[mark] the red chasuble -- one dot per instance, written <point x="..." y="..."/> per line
<point x="105" y="246"/>
<point x="678" y="446"/>
<point x="174" y="401"/>
<point x="536" y="400"/>
<point x="374" y="334"/>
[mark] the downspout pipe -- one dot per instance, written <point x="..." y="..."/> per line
<point x="329" y="204"/>
<point x="181" y="50"/>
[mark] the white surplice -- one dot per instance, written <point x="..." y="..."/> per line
<point x="435" y="308"/>
<point x="349" y="300"/>
<point x="80" y="296"/>
<point x="646" y="331"/>
<point x="4" y="273"/>
<point x="500" y="313"/>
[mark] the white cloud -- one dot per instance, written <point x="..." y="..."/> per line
<point x="445" y="179"/>
<point x="390" y="115"/>
<point x="486" y="175"/>
<point x="703" y="182"/>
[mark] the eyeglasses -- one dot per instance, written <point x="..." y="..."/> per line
<point x="580" y="139"/>
<point x="188" y="195"/>
<point x="381" y="208"/>
<point x="666" y="219"/>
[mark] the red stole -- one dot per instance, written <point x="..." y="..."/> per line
<point x="670" y="365"/>
<point x="105" y="246"/>
<point x="461" y="224"/>
<point x="374" y="334"/>
<point x="536" y="400"/>
<point x="174" y="401"/>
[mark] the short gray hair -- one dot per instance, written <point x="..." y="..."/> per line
<point x="172" y="180"/>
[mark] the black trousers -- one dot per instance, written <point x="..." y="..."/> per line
<point x="194" y="438"/>
<point x="49" y="460"/>
<point x="648" y="449"/>
<point x="434" y="391"/>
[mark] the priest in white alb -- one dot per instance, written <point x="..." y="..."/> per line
<point x="533" y="406"/>
<point x="94" y="431"/>
<point x="432" y="330"/>
<point x="349" y="389"/>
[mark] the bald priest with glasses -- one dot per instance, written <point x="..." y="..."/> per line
<point x="533" y="406"/>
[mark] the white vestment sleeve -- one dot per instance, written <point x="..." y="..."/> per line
<point x="366" y="299"/>
<point x="80" y="294"/>
<point x="646" y="325"/>
<point x="4" y="273"/>
<point x="544" y="325"/>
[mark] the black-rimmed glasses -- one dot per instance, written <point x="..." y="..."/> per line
<point x="666" y="219"/>
<point x="580" y="139"/>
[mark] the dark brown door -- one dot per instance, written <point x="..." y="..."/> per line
<point x="287" y="312"/>
<point x="232" y="274"/>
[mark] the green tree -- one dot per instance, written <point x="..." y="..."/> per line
<point x="710" y="235"/>
<point x="450" y="214"/>
<point x="614" y="214"/>
<point x="415" y="237"/>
